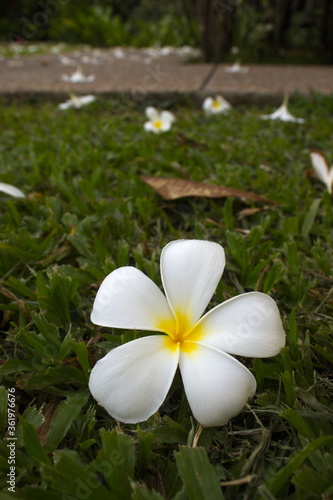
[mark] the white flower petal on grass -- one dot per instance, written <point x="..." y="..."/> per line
<point x="77" y="101"/>
<point x="167" y="116"/>
<point x="11" y="190"/>
<point x="246" y="325"/>
<point x="283" y="114"/>
<point x="151" y="113"/>
<point x="132" y="381"/>
<point x="323" y="172"/>
<point x="150" y="127"/>
<point x="191" y="270"/>
<point x="217" y="386"/>
<point x="127" y="298"/>
<point x="126" y="381"/>
<point x="216" y="105"/>
<point x="159" y="121"/>
<point x="78" y="77"/>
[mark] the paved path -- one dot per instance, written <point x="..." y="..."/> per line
<point x="149" y="74"/>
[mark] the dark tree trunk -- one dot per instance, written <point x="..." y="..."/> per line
<point x="216" y="20"/>
<point x="283" y="16"/>
<point x="327" y="28"/>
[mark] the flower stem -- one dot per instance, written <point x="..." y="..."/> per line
<point x="285" y="100"/>
<point x="197" y="436"/>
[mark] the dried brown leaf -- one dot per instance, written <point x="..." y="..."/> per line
<point x="309" y="173"/>
<point x="7" y="293"/>
<point x="171" y="189"/>
<point x="48" y="413"/>
<point x="246" y="212"/>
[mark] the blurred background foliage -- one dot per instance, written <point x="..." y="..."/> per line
<point x="262" y="30"/>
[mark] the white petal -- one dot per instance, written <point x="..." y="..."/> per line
<point x="65" y="105"/>
<point x="127" y="298"/>
<point x="167" y="117"/>
<point x="236" y="68"/>
<point x="166" y="125"/>
<point x="152" y="113"/>
<point x="150" y="127"/>
<point x="191" y="270"/>
<point x="217" y="386"/>
<point x="87" y="99"/>
<point x="132" y="381"/>
<point x="11" y="190"/>
<point x="330" y="180"/>
<point x="246" y="325"/>
<point x="320" y="166"/>
<point x="283" y="114"/>
<point x="224" y="103"/>
<point x="207" y="104"/>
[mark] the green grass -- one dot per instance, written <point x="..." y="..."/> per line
<point x="87" y="212"/>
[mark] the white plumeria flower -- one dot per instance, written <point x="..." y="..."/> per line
<point x="90" y="60"/>
<point x="66" y="61"/>
<point x="283" y="114"/>
<point x="11" y="190"/>
<point x="213" y="106"/>
<point x="159" y="121"/>
<point x="78" y="77"/>
<point x="132" y="380"/>
<point x="324" y="173"/>
<point x="119" y="54"/>
<point x="236" y="68"/>
<point x="77" y="102"/>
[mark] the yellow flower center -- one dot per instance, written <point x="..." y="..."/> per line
<point x="216" y="104"/>
<point x="180" y="333"/>
<point x="158" y="124"/>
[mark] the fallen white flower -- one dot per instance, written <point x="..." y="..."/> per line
<point x="119" y="54"/>
<point x="213" y="106"/>
<point x="159" y="121"/>
<point x="132" y="381"/>
<point x="236" y="68"/>
<point x="283" y="114"/>
<point x="90" y="60"/>
<point x="66" y="61"/>
<point x="11" y="190"/>
<point x="323" y="171"/>
<point x="78" y="77"/>
<point x="188" y="51"/>
<point x="77" y="102"/>
<point x="166" y="51"/>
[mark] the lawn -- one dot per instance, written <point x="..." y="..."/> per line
<point x="88" y="212"/>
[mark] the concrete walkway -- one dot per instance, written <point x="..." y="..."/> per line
<point x="148" y="74"/>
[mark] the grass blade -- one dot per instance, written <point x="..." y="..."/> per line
<point x="282" y="476"/>
<point x="63" y="417"/>
<point x="200" y="479"/>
